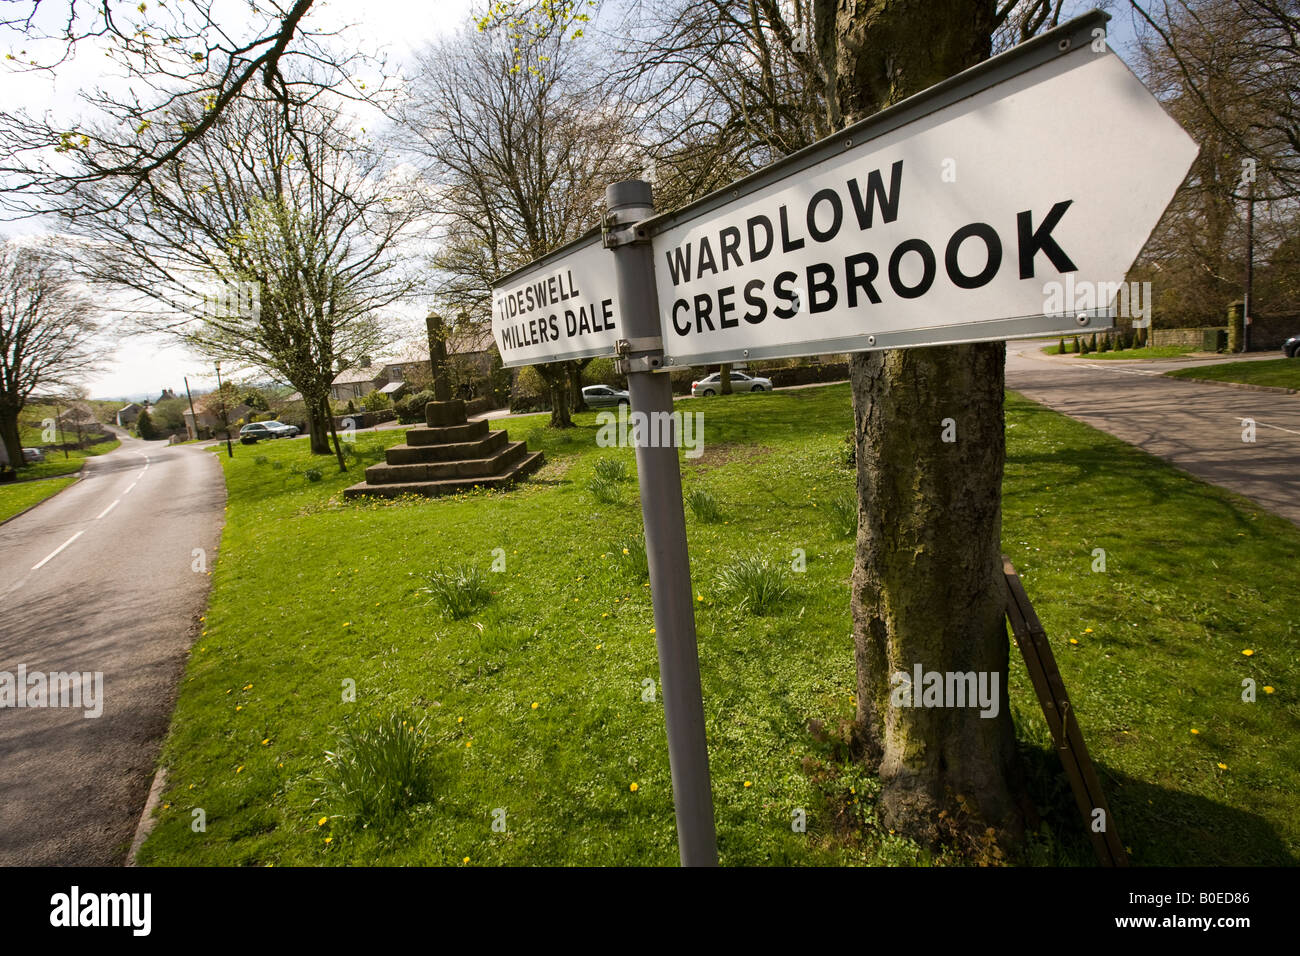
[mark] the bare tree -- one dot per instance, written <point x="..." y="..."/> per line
<point x="518" y="140"/>
<point x="166" y="56"/>
<point x="47" y="329"/>
<point x="276" y="243"/>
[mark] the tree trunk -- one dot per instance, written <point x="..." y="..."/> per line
<point x="576" y="401"/>
<point x="724" y="378"/>
<point x="437" y="332"/>
<point x="556" y="376"/>
<point x="927" y="585"/>
<point x="318" y="416"/>
<point x="9" y="435"/>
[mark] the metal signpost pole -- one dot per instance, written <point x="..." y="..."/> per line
<point x="641" y="356"/>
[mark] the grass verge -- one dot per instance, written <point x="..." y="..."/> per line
<point x="1278" y="373"/>
<point x="1158" y="352"/>
<point x="17" y="497"/>
<point x="540" y="708"/>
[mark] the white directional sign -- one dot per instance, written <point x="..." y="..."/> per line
<point x="564" y="306"/>
<point x="952" y="225"/>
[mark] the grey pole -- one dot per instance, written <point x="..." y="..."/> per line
<point x="641" y="356"/>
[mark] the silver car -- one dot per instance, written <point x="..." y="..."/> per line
<point x="602" y="396"/>
<point x="740" y="382"/>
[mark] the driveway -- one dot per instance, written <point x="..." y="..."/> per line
<point x="1197" y="426"/>
<point x="100" y="579"/>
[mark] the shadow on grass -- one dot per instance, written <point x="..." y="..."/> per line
<point x="1158" y="826"/>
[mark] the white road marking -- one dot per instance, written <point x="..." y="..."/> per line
<point x="1126" y="371"/>
<point x="37" y="567"/>
<point x="1266" y="425"/>
<point x="107" y="510"/>
<point x="130" y="486"/>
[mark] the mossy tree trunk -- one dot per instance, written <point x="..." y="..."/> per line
<point x="927" y="582"/>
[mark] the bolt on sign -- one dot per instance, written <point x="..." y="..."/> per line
<point x="948" y="218"/>
<point x="562" y="306"/>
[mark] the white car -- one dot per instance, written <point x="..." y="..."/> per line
<point x="740" y="382"/>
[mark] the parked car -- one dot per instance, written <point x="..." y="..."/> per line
<point x="1291" y="347"/>
<point x="740" y="382"/>
<point x="602" y="396"/>
<point x="33" y="454"/>
<point x="282" y="430"/>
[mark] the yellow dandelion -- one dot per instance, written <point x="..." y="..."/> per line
<point x="322" y="821"/>
<point x="633" y="788"/>
<point x="347" y="623"/>
<point x="1195" y="731"/>
<point x="466" y="860"/>
<point x="460" y="720"/>
<point x="266" y="742"/>
<point x="749" y="783"/>
<point x="625" y="551"/>
<point x="1268" y="689"/>
<point x="1248" y="652"/>
<point x="1074" y="640"/>
<point x="239" y="707"/>
<point x="239" y="769"/>
<point x="468" y="744"/>
<point x="535" y="705"/>
<point x="1087" y="630"/>
<point x="599" y="646"/>
<point x="1223" y="766"/>
<point x="329" y="839"/>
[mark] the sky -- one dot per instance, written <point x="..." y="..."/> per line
<point x="138" y="365"/>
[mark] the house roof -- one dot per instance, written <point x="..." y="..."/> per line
<point x="353" y="376"/>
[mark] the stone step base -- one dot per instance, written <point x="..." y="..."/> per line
<point x="446" y="434"/>
<point x="447" y="486"/>
<point x="410" y="454"/>
<point x="486" y="467"/>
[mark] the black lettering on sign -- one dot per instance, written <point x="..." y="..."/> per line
<point x="703" y="310"/>
<point x="725" y="305"/>
<point x="755" y="252"/>
<point x="706" y="263"/>
<point x="679" y="264"/>
<point x="607" y="315"/>
<point x="927" y="276"/>
<point x="981" y="230"/>
<point x="785" y="294"/>
<point x="830" y="198"/>
<point x="1033" y="241"/>
<point x="759" y="303"/>
<point x="729" y="240"/>
<point x="788" y="244"/>
<point x="876" y="196"/>
<point x="684" y="306"/>
<point x="863" y="282"/>
<point x="825" y="285"/>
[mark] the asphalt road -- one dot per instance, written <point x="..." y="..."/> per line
<point x="1197" y="426"/>
<point x="100" y="578"/>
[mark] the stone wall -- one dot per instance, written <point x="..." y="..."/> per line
<point x="1196" y="338"/>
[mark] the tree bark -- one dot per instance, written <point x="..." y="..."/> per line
<point x="318" y="416"/>
<point x="556" y="376"/>
<point x="927" y="583"/>
<point x="9" y="435"/>
<point x="724" y="378"/>
<point x="576" y="401"/>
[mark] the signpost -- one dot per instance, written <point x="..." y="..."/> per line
<point x="1007" y="201"/>
<point x="562" y="306"/>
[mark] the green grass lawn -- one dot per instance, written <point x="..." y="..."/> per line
<point x="1280" y="373"/>
<point x="19" y="496"/>
<point x="1162" y="351"/>
<point x="535" y="703"/>
<point x="56" y="463"/>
